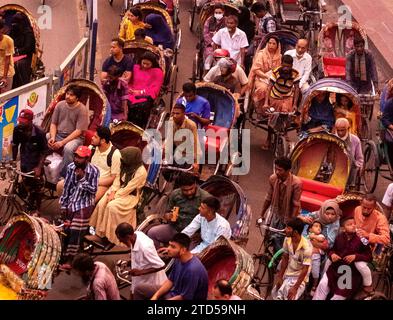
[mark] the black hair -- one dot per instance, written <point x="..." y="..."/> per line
<point x="76" y="90"/>
<point x="296" y="224"/>
<point x="124" y="229"/>
<point x="314" y="222"/>
<point x="179" y="106"/>
<point x="140" y="32"/>
<point x="189" y="87"/>
<point x="151" y="57"/>
<point x="212" y="202"/>
<point x="83" y="262"/>
<point x="115" y="71"/>
<point x="370" y="197"/>
<point x="283" y="162"/>
<point x="339" y="96"/>
<point x="286" y="58"/>
<point x="185" y="179"/>
<point x="104" y="133"/>
<point x="258" y="7"/>
<point x="224" y="287"/>
<point x="182" y="239"/>
<point x="233" y="17"/>
<point x="268" y="37"/>
<point x="137" y="13"/>
<point x="219" y="5"/>
<point x="345" y="219"/>
<point x="120" y="42"/>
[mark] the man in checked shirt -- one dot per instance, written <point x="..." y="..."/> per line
<point x="77" y="201"/>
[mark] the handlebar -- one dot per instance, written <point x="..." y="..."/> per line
<point x="260" y="224"/>
<point x="169" y="167"/>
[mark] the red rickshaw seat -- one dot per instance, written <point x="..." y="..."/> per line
<point x="289" y="1"/>
<point x="314" y="193"/>
<point x="334" y="67"/>
<point x="214" y="142"/>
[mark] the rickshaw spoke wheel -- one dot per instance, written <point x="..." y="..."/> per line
<point x="263" y="276"/>
<point x="371" y="167"/>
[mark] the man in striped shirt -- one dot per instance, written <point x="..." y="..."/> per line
<point x="77" y="200"/>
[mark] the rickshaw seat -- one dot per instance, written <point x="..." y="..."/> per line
<point x="219" y="137"/>
<point x="334" y="67"/>
<point x="290" y="1"/>
<point x="314" y="193"/>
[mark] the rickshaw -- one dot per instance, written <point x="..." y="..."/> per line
<point x="135" y="49"/>
<point x="171" y="6"/>
<point x="30" y="250"/>
<point x="95" y="100"/>
<point x="206" y="12"/>
<point x="38" y="69"/>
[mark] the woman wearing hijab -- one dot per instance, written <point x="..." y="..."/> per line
<point x="329" y="215"/>
<point x="265" y="61"/>
<point x="159" y="31"/>
<point x="119" y="203"/>
<point x="212" y="25"/>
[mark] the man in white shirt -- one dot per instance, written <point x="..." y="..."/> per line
<point x="211" y="224"/>
<point x="302" y="62"/>
<point x="147" y="268"/>
<point x="232" y="39"/>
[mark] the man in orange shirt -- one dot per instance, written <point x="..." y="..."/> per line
<point x="373" y="226"/>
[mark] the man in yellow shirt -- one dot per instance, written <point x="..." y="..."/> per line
<point x="7" y="69"/>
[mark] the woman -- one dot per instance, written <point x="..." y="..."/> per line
<point x="344" y="108"/>
<point x="212" y="25"/>
<point x="132" y="21"/>
<point x="329" y="215"/>
<point x="118" y="204"/>
<point x="265" y="61"/>
<point x="159" y="31"/>
<point x="147" y="79"/>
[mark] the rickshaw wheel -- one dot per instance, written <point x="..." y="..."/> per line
<point x="371" y="167"/>
<point x="365" y="132"/>
<point x="263" y="276"/>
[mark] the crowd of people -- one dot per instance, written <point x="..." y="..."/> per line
<point x="100" y="186"/>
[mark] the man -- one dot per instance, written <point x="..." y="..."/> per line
<point x="267" y="23"/>
<point x="106" y="158"/>
<point x="147" y="267"/>
<point x="177" y="125"/>
<point x="188" y="198"/>
<point x="283" y="197"/>
<point x="118" y="59"/>
<point x="320" y="114"/>
<point x="223" y="291"/>
<point x="188" y="279"/>
<point x="387" y="201"/>
<point x="232" y="39"/>
<point x="77" y="200"/>
<point x="238" y="74"/>
<point x="302" y="62"/>
<point x="33" y="150"/>
<point x="295" y="263"/>
<point x="7" y="70"/>
<point x="101" y="284"/>
<point x="353" y="145"/>
<point x="226" y="78"/>
<point x="372" y="226"/>
<point x="361" y="69"/>
<point x="197" y="107"/>
<point x="69" y="121"/>
<point x="24" y="42"/>
<point x="210" y="223"/>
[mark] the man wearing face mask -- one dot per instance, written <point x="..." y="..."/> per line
<point x="302" y="62"/>
<point x="77" y="201"/>
<point x="33" y="150"/>
<point x="24" y="42"/>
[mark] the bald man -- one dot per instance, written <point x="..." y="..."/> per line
<point x="354" y="147"/>
<point x="302" y="62"/>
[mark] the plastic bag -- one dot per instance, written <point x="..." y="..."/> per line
<point x="52" y="171"/>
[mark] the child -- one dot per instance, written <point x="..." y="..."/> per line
<point x="317" y="240"/>
<point x="140" y="35"/>
<point x="348" y="250"/>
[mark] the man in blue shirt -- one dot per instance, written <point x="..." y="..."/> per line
<point x="197" y="107"/>
<point x="188" y="279"/>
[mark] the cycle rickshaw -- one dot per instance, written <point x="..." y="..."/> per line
<point x="37" y="66"/>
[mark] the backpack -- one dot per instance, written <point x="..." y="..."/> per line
<point x="108" y="158"/>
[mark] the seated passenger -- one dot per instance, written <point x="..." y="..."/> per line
<point x="210" y="223"/>
<point x="266" y="60"/>
<point x="188" y="198"/>
<point x="320" y="115"/>
<point x="344" y="109"/>
<point x="119" y="202"/>
<point x="361" y="69"/>
<point x="238" y="74"/>
<point x="116" y="91"/>
<point x="159" y="31"/>
<point x="140" y="35"/>
<point x="223" y="291"/>
<point x="266" y="23"/>
<point x="146" y="80"/>
<point x="24" y="43"/>
<point x="132" y="21"/>
<point x="212" y="25"/>
<point x="69" y="121"/>
<point x="197" y="107"/>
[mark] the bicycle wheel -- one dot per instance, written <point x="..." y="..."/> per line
<point x="263" y="276"/>
<point x="7" y="209"/>
<point x="371" y="167"/>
